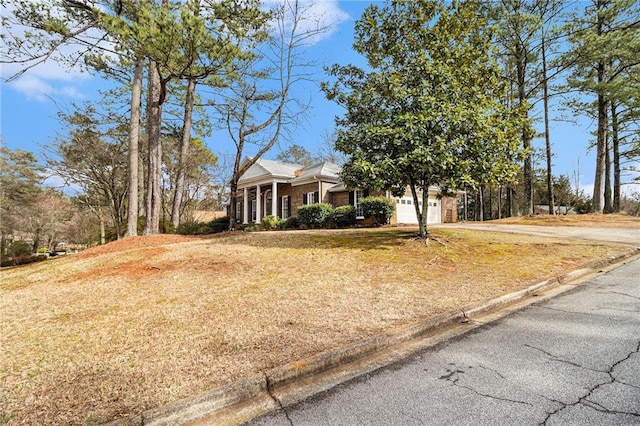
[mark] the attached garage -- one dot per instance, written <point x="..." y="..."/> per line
<point x="406" y="211"/>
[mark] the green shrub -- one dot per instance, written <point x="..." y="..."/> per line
<point x="198" y="228"/>
<point x="380" y="208"/>
<point x="291" y="222"/>
<point x="23" y="260"/>
<point x="344" y="216"/>
<point x="315" y="215"/>
<point x="19" y="249"/>
<point x="220" y="224"/>
<point x="252" y="228"/>
<point x="583" y="206"/>
<point x="166" y="226"/>
<point x="269" y="222"/>
<point x="190" y="228"/>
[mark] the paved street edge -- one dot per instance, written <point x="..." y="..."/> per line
<point x="282" y="386"/>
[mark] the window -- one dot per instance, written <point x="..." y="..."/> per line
<point x="311" y="198"/>
<point x="357" y="196"/>
<point x="253" y="211"/>
<point x="285" y="207"/>
<point x="239" y="211"/>
<point x="268" y="203"/>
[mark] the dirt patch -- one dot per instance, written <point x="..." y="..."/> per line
<point x="136" y="243"/>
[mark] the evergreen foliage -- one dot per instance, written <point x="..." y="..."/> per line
<point x="315" y="215"/>
<point x="379" y="208"/>
<point x="429" y="111"/>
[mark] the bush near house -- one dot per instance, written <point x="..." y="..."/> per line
<point x="19" y="253"/>
<point x="379" y="208"/>
<point x="198" y="228"/>
<point x="344" y="216"/>
<point x="315" y="215"/>
<point x="269" y="222"/>
<point x="290" y="223"/>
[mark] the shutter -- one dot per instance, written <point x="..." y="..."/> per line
<point x="289" y="206"/>
<point x="316" y="196"/>
<point x="351" y="197"/>
<point x="279" y="207"/>
<point x="365" y="193"/>
<point x="304" y="199"/>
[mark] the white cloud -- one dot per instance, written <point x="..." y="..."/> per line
<point x="320" y="19"/>
<point x="36" y="88"/>
<point x="41" y="79"/>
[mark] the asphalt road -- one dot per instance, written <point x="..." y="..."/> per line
<point x="570" y="360"/>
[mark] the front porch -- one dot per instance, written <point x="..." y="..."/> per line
<point x="259" y="200"/>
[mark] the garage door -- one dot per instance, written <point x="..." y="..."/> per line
<point x="406" y="212"/>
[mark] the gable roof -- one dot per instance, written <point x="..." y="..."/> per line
<point x="296" y="174"/>
<point x="325" y="171"/>
<point x="270" y="168"/>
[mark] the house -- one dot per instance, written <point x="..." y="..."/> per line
<point x="275" y="188"/>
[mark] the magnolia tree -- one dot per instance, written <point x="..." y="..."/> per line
<point x="428" y="109"/>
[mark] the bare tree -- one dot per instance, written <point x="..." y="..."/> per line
<point x="259" y="105"/>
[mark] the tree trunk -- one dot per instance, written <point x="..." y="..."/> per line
<point x="601" y="143"/>
<point x="480" y="203"/>
<point x="547" y="139"/>
<point x="153" y="201"/>
<point x="601" y="151"/>
<point x="420" y="214"/>
<point x="134" y="155"/>
<point x="607" y="179"/>
<point x="103" y="233"/>
<point x="233" y="201"/>
<point x="616" y="157"/>
<point x="526" y="139"/>
<point x="184" y="153"/>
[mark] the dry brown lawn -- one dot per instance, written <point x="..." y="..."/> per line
<point x="141" y="322"/>
<point x="592" y="220"/>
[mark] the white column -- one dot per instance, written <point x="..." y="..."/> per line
<point x="258" y="199"/>
<point x="274" y="199"/>
<point x="245" y="201"/>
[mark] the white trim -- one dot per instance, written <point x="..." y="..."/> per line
<point x="245" y="216"/>
<point x="312" y="195"/>
<point x="269" y="193"/>
<point x="258" y="205"/>
<point x="274" y="199"/>
<point x="356" y="203"/>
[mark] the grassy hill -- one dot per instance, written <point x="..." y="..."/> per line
<point x="144" y="321"/>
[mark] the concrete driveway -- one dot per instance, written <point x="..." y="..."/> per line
<point x="629" y="236"/>
<point x="570" y="360"/>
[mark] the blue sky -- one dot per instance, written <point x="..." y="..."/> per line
<point x="31" y="102"/>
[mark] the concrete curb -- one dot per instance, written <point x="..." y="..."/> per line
<point x="260" y="390"/>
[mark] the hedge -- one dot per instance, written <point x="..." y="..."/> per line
<point x="344" y="216"/>
<point x="379" y="208"/>
<point x="315" y="215"/>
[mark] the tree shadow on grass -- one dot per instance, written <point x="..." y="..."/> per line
<point x="322" y="239"/>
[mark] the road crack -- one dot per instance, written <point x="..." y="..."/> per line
<point x="589" y="314"/>
<point x="453" y="378"/>
<point x="584" y="400"/>
<point x="565" y="361"/>
<point x="275" y="399"/>
<point x="625" y="294"/>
